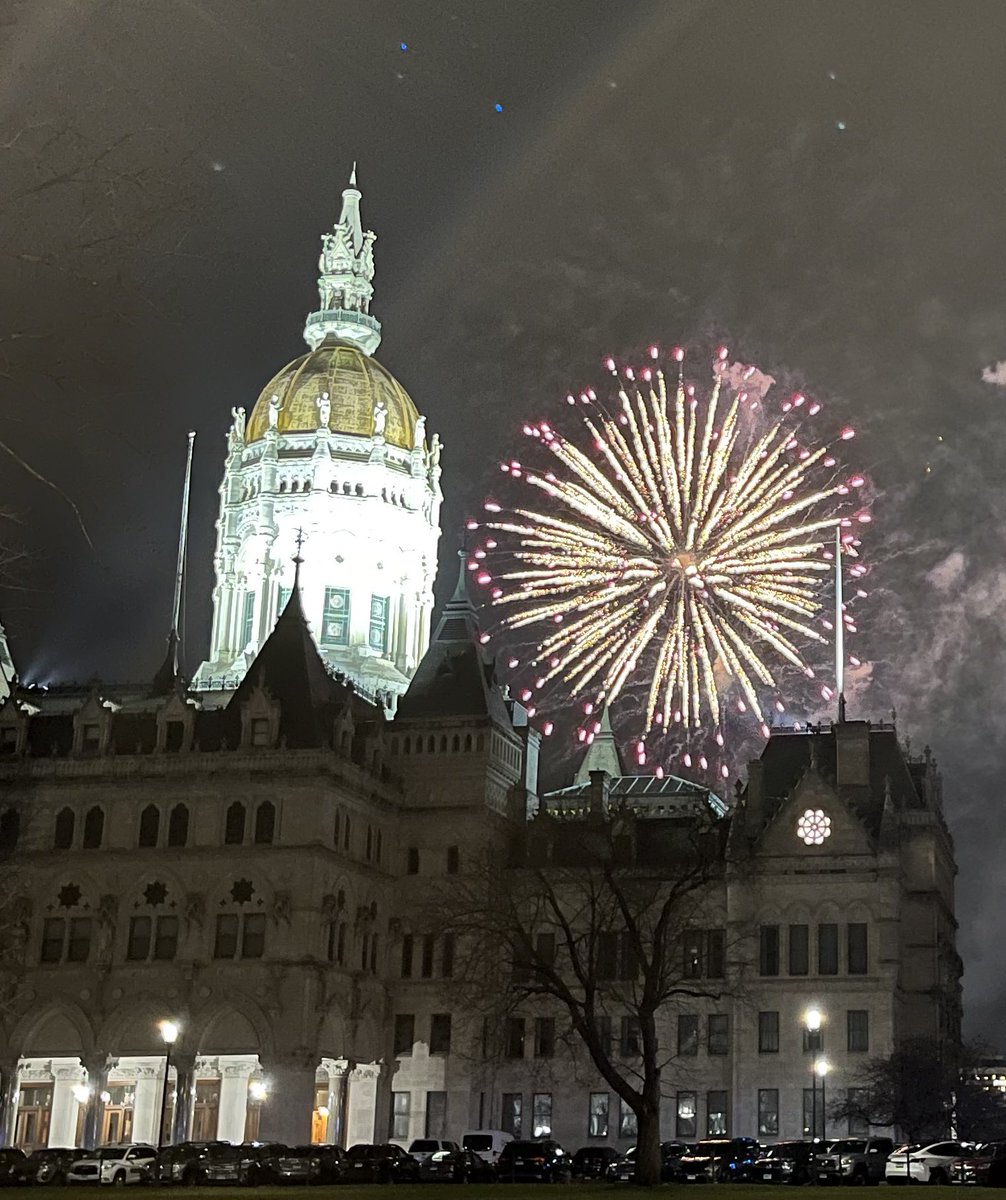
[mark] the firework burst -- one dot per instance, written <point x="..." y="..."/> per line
<point x="690" y="550"/>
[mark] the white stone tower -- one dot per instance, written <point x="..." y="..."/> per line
<point x="334" y="453"/>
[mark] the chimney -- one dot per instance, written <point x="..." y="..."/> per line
<point x="755" y="806"/>
<point x="852" y="753"/>
<point x="599" y="782"/>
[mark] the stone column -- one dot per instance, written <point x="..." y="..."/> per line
<point x="185" y="1096"/>
<point x="338" y="1085"/>
<point x="287" y="1112"/>
<point x="97" y="1066"/>
<point x="361" y="1105"/>
<point x="147" y="1103"/>
<point x="65" y="1105"/>
<point x="8" y="1100"/>
<point x="233" y="1109"/>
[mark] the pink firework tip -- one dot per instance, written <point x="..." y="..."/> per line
<point x="848" y="433"/>
<point x="654" y="352"/>
<point x="678" y="354"/>
<point x="609" y="363"/>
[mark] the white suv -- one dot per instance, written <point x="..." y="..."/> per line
<point x="422" y="1148"/>
<point x="923" y="1164"/>
<point x="113" y="1164"/>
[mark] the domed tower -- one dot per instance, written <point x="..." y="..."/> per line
<point x="332" y="466"/>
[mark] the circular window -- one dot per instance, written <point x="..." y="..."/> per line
<point x="813" y="827"/>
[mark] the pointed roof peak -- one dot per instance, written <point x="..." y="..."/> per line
<point x="602" y="753"/>
<point x="352" y="175"/>
<point x="461" y="587"/>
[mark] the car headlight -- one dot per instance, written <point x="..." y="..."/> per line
<point x="847" y="1162"/>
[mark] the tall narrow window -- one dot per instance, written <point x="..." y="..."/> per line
<point x="768" y="1112"/>
<point x="407" y="956"/>
<point x="827" y="949"/>
<point x="597" y="1115"/>
<point x="234" y="826"/>
<point x="78" y="946"/>
<point x="859" y="1030"/>
<point x="628" y="1126"/>
<point x="225" y="943"/>
<point x="541" y="1114"/>
<point x="440" y="1033"/>
<point x="405" y="1033"/>
<point x="692" y="955"/>
<point x="511" y="1113"/>
<point x="53" y="932"/>
<point x="150" y="826"/>
<point x="400" y="1105"/>
<point x="377" y="636"/>
<point x="716" y="955"/>
<point x="62" y="838"/>
<point x="138" y="946"/>
<point x="515" y="1037"/>
<point x="768" y="950"/>
<point x="412" y="861"/>
<point x="178" y="825"/>
<point x="686" y="1117"/>
<point x="253" y="936"/>
<point x="606" y="965"/>
<point x="632" y="1038"/>
<point x="436" y="1115"/>
<point x="165" y="938"/>
<point x="768" y="1033"/>
<point x="716" y="1114"/>
<point x="265" y="823"/>
<point x="335" y="617"/>
<point x="447" y="956"/>
<point x="858" y="956"/>
<point x="248" y="619"/>
<point x="429" y="945"/>
<point x="688" y="1034"/>
<point x="453" y="859"/>
<point x="544" y="1037"/>
<point x="859" y="1104"/>
<point x="799" y="950"/>
<point x="10" y="829"/>
<point x="718" y="1040"/>
<point x="94" y="828"/>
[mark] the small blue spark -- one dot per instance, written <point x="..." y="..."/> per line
<point x="498" y="107"/>
<point x="403" y="46"/>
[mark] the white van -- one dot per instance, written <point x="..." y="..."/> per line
<point x="486" y="1143"/>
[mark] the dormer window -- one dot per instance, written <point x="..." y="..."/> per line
<point x="260" y="731"/>
<point x="174" y="736"/>
<point x="90" y="739"/>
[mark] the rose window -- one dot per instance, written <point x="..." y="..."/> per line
<point x="813" y="827"/>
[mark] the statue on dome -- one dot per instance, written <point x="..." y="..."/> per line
<point x="435" y="448"/>
<point x="380" y="418"/>
<point x="324" y="404"/>
<point x="274" y="407"/>
<point x="420" y="435"/>
<point x="238" y="426"/>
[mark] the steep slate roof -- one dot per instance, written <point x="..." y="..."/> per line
<point x="787" y="757"/>
<point x="455" y="678"/>
<point x="291" y="670"/>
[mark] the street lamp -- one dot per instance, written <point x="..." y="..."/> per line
<point x="821" y="1069"/>
<point x="169" y="1035"/>
<point x="812" y="1021"/>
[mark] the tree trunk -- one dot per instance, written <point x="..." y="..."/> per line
<point x="648" y="1157"/>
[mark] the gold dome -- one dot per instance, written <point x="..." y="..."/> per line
<point x="354" y="382"/>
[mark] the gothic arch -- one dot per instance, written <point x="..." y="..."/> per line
<point x="227" y="1024"/>
<point x="60" y="1027"/>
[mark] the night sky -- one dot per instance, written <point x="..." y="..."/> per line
<point x="819" y="185"/>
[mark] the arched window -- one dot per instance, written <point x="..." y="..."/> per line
<point x="178" y="826"/>
<point x="443" y="743"/>
<point x="63" y="834"/>
<point x="265" y="823"/>
<point x="431" y="744"/>
<point x="480" y="742"/>
<point x="234" y="826"/>
<point x="456" y="744"/>
<point x="10" y="827"/>
<point x="150" y="824"/>
<point x="407" y="745"/>
<point x="468" y="741"/>
<point x="338" y="827"/>
<point x="94" y="827"/>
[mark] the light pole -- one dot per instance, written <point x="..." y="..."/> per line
<point x="821" y="1069"/>
<point x="169" y="1035"/>
<point x="812" y="1026"/>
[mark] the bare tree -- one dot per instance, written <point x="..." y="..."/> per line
<point x="601" y="915"/>
<point x="925" y="1089"/>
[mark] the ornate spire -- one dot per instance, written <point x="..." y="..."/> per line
<point x="345" y="281"/>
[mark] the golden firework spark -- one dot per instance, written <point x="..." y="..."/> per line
<point x="689" y="552"/>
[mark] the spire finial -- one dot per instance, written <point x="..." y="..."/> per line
<point x="297" y="560"/>
<point x="168" y="671"/>
<point x="352" y="175"/>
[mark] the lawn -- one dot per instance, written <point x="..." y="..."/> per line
<point x="509" y="1191"/>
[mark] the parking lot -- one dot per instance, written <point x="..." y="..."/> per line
<point x="519" y="1191"/>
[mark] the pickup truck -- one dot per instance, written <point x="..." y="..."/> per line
<point x="853" y="1160"/>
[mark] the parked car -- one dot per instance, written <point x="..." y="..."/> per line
<point x="248" y="1164"/>
<point x="12" y="1164"/>
<point x="47" y="1166"/>
<point x="543" y="1161"/>
<point x="487" y="1143"/>
<point x="386" y="1163"/>
<point x="719" y="1160"/>
<point x="853" y="1160"/>
<point x="303" y="1164"/>
<point x="113" y="1164"/>
<point x="592" y="1162"/>
<point x="623" y="1168"/>
<point x="930" y="1163"/>
<point x="422" y="1148"/>
<point x="456" y="1166"/>
<point x="785" y="1162"/>
<point x="984" y="1165"/>
<point x="183" y="1164"/>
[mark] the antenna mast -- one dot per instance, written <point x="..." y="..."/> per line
<point x="183" y="536"/>
<point x="839" y="628"/>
